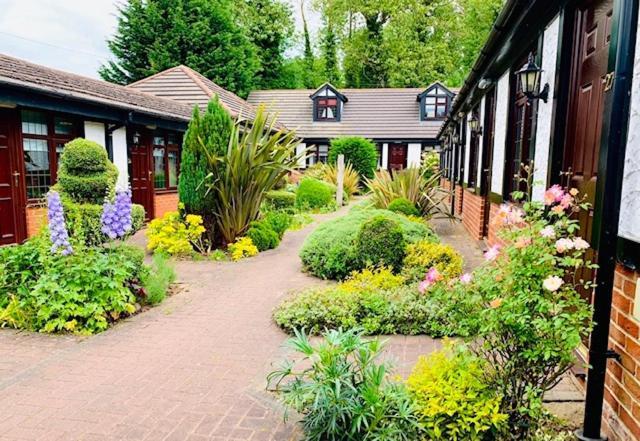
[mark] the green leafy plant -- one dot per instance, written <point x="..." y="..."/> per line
<point x="343" y="391"/>
<point x="380" y="241"/>
<point x="278" y="221"/>
<point x="361" y="153"/>
<point x="175" y="234"/>
<point x="453" y="401"/>
<point x="156" y="282"/>
<point x="403" y="206"/>
<point x="424" y="255"/>
<point x="329" y="173"/>
<point x="263" y="236"/>
<point x="280" y="199"/>
<point x="330" y="251"/>
<point x="315" y="194"/>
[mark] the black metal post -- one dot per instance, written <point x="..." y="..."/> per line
<point x="611" y="168"/>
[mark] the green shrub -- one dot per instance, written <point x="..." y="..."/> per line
<point x="86" y="175"/>
<point x="361" y="153"/>
<point x="424" y="255"/>
<point x="404" y="206"/>
<point x="313" y="194"/>
<point x="280" y="199"/>
<point x="330" y="251"/>
<point x="278" y="221"/>
<point x="453" y="401"/>
<point x="380" y="241"/>
<point x="345" y="393"/>
<point x="263" y="236"/>
<point x="137" y="217"/>
<point x="157" y="280"/>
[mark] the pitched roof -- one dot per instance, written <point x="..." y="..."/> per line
<point x="185" y="85"/>
<point x="20" y="73"/>
<point x="371" y="113"/>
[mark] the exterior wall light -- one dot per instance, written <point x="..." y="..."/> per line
<point x="455" y="138"/>
<point x="529" y="80"/>
<point x="474" y="125"/>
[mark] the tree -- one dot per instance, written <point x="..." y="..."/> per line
<point x="153" y="35"/>
<point x="330" y="54"/>
<point x="269" y="26"/>
<point x="309" y="58"/>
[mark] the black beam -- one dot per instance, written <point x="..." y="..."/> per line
<point x="610" y="173"/>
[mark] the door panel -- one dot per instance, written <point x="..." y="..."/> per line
<point x="141" y="175"/>
<point x="12" y="222"/>
<point x="397" y="156"/>
<point x="584" y="125"/>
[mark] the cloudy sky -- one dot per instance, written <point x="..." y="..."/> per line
<point x="67" y="34"/>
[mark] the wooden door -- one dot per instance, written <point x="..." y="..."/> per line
<point x="487" y="155"/>
<point x="584" y="126"/>
<point x="140" y="174"/>
<point x="12" y="221"/>
<point x="397" y="156"/>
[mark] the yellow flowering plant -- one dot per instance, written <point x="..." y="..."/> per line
<point x="241" y="248"/>
<point x="175" y="234"/>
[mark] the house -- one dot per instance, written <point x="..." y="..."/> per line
<point x="402" y="122"/>
<point x="558" y="83"/>
<point x="140" y="126"/>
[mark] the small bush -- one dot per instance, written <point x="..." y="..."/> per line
<point x="361" y="153"/>
<point x="137" y="217"/>
<point x="380" y="241"/>
<point x="158" y="279"/>
<point x="329" y="173"/>
<point x="241" y="248"/>
<point x="452" y="400"/>
<point x="314" y="194"/>
<point x="278" y="221"/>
<point x="330" y="251"/>
<point x="424" y="255"/>
<point x="280" y="199"/>
<point x="404" y="206"/>
<point x="263" y="236"/>
<point x="174" y="235"/>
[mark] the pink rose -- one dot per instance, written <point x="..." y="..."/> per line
<point x="553" y="194"/>
<point x="563" y="245"/>
<point x="580" y="244"/>
<point x="523" y="242"/>
<point x="492" y="253"/>
<point x="466" y="278"/>
<point x="552" y="283"/>
<point x="548" y="232"/>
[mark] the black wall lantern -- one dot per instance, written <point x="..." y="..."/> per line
<point x="529" y="79"/>
<point x="474" y="125"/>
<point x="455" y="138"/>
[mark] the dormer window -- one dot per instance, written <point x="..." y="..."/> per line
<point x="435" y="102"/>
<point x="327" y="104"/>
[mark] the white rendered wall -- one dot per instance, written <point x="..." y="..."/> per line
<point x="94" y="131"/>
<point x="301" y="153"/>
<point x="385" y="156"/>
<point x="414" y="152"/>
<point x="467" y="149"/>
<point x="119" y="138"/>
<point x="502" y="110"/>
<point x="629" y="226"/>
<point x="480" y="141"/>
<point x="545" y="110"/>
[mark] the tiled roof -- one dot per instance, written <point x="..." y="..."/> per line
<point x="371" y="113"/>
<point x="20" y="73"/>
<point x="189" y="87"/>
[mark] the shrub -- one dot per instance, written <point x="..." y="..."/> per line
<point x="329" y="173"/>
<point x="345" y="393"/>
<point x="157" y="281"/>
<point x="280" y="199"/>
<point x="241" y="248"/>
<point x="330" y="251"/>
<point x="86" y="175"/>
<point x="137" y="217"/>
<point x="263" y="236"/>
<point x="314" y="194"/>
<point x="361" y="153"/>
<point x="403" y="206"/>
<point x="174" y="234"/>
<point x="380" y="241"/>
<point x="451" y="398"/>
<point x="424" y="255"/>
<point x="278" y="222"/>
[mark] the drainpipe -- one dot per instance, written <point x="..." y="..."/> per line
<point x="610" y="175"/>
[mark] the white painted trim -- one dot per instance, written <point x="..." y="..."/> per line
<point x="414" y="153"/>
<point x="500" y="140"/>
<point x="94" y="131"/>
<point x="385" y="156"/>
<point x="120" y="159"/>
<point x="301" y="152"/>
<point x="481" y="141"/>
<point x="467" y="149"/>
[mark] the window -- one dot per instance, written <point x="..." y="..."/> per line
<point x="318" y="153"/>
<point x="43" y="138"/>
<point x="326" y="109"/>
<point x="435" y="102"/>
<point x="166" y="160"/>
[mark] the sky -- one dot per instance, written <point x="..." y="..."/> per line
<point x="70" y="34"/>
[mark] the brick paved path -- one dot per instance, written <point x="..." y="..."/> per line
<point x="191" y="369"/>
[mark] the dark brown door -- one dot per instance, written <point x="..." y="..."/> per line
<point x="140" y="173"/>
<point x="584" y="125"/>
<point x="12" y="222"/>
<point x="487" y="154"/>
<point x="397" y="156"/>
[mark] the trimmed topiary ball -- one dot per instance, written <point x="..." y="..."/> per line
<point x="313" y="193"/>
<point x="280" y="199"/>
<point x="404" y="206"/>
<point x="361" y="153"/>
<point x="424" y="255"/>
<point x="381" y="242"/>
<point x="263" y="236"/>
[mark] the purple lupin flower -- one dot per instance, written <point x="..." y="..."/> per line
<point x="116" y="216"/>
<point x="57" y="227"/>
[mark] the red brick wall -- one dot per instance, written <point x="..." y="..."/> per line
<point x="492" y="236"/>
<point x="459" y="199"/>
<point x="446" y="185"/>
<point x="165" y="202"/>
<point x="473" y="212"/>
<point x="622" y="416"/>
<point x="36" y="219"/>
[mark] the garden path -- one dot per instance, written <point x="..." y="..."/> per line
<point x="192" y="368"/>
